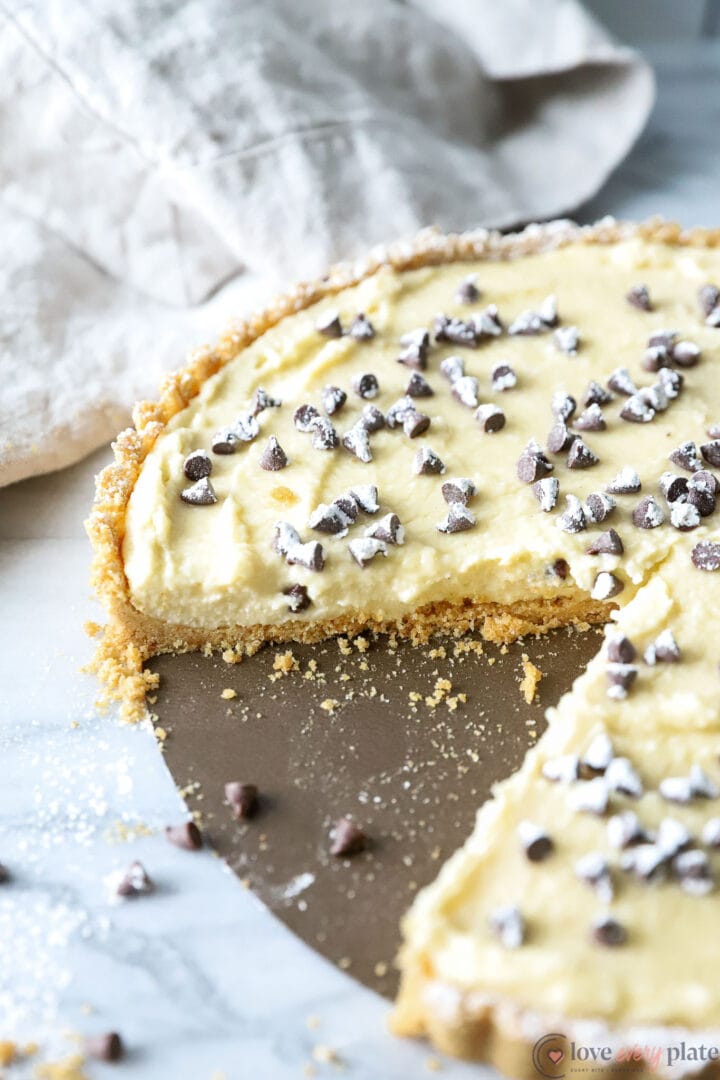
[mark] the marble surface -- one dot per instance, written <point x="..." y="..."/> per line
<point x="201" y="981"/>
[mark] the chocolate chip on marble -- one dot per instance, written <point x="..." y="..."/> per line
<point x="456" y="331"/>
<point x="648" y="513"/>
<point x="333" y="399"/>
<point x="563" y="405"/>
<point x="595" y="394"/>
<point x="589" y="797"/>
<point x="261" y="400"/>
<point x="415" y="424"/>
<point x="331" y="519"/>
<point x="671" y="382"/>
<point x="620" y="678"/>
<point x="609" y="932"/>
<point x="371" y="418"/>
<point x="607" y="543"/>
<point x="305" y="417"/>
<point x="686" y="354"/>
<point x="591" y="419"/>
<point x="663" y="650"/>
<point x="692" y="869"/>
<point x="427" y="462"/>
<point x="706" y="555"/>
<point x="509" y="926"/>
<point x="273" y="457"/>
<point x="465" y="389"/>
<point x="573" y="519"/>
<point x="135" y="882"/>
<point x="365" y="549"/>
<point x="347" y="838"/>
<point x="711" y="452"/>
<point x="684" y="517"/>
<point x="329" y="325"/>
<point x="673" y="486"/>
<point x="197" y="465"/>
<point x="467" y="291"/>
<point x="366" y="497"/>
<point x="686" y="456"/>
<point x="560" y="438"/>
<point x="453" y="368"/>
<point x="594" y="869"/>
<point x="107" y="1046"/>
<point x="458" y="519"/>
<point x="366" y="385"/>
<point x="621" y="382"/>
<point x="598" y="507"/>
<point x="711" y="832"/>
<point x="637" y="411"/>
<point x="546" y="492"/>
<point x="624" y="830"/>
<point x="527" y="323"/>
<point x="580" y="456"/>
<point x="399" y="410"/>
<point x="298" y="599"/>
<point x="562" y="769"/>
<point x="535" y="841"/>
<point x="639" y="297"/>
<point x="361" y="329"/>
<point x="620" y="649"/>
<point x="458" y="490"/>
<point x="418" y="386"/>
<point x="627" y="482"/>
<point x="201" y="493"/>
<point x="622" y="776"/>
<point x="242" y="798"/>
<point x="532" y="464"/>
<point x="186" y="836"/>
<point x="708" y="298"/>
<point x="491" y="418"/>
<point x="387" y="528"/>
<point x="503" y="378"/>
<point x="606" y="586"/>
<point x="567" y="340"/>
<point x="323" y="434"/>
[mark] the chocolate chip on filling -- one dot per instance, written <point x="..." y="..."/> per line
<point x="415" y="347"/>
<point x="388" y="529"/>
<point x="366" y="385"/>
<point x="573" y="519"/>
<point x="333" y="399"/>
<point x="563" y="405"/>
<point x="273" y="457"/>
<point x="508" y="925"/>
<point x="607" y="543"/>
<point x="706" y="555"/>
<point x="418" y="386"/>
<point x="467" y="291"/>
<point x="535" y="841"/>
<point x="591" y="419"/>
<point x="606" y="586"/>
<point x="372" y="419"/>
<point x="594" y="869"/>
<point x="639" y="297"/>
<point x="458" y="519"/>
<point x="595" y="394"/>
<point x="361" y="329"/>
<point x="636" y="410"/>
<point x="580" y="456"/>
<point x="624" y="830"/>
<point x="323" y="434"/>
<point x="546" y="492"/>
<point x="560" y="438"/>
<point x="503" y="378"/>
<point x="693" y="872"/>
<point x="609" y="932"/>
<point x="598" y="507"/>
<point x="620" y="678"/>
<point x="627" y="482"/>
<point x="663" y="650"/>
<point x="364" y="549"/>
<point x="261" y="400"/>
<point x="711" y="452"/>
<point x="456" y="331"/>
<point x="297" y="598"/>
<point x="453" y="368"/>
<point x="197" y="465"/>
<point x="415" y="424"/>
<point x="305" y="416"/>
<point x="686" y="456"/>
<point x="465" y="389"/>
<point x="532" y="464"/>
<point x="201" y="493"/>
<point x="684" y="517"/>
<point x="357" y="441"/>
<point x="329" y="325"/>
<point x="490" y="417"/>
<point x="648" y="514"/>
<point x="287" y="543"/>
<point x="567" y="340"/>
<point x="245" y="428"/>
<point x="621" y="650"/>
<point x="622" y="382"/>
<point x="458" y="490"/>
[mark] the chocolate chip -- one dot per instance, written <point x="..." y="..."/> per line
<point x="347" y="838"/>
<point x="418" y="386"/>
<point x="677" y="789"/>
<point x="714" y="431"/>
<point x="415" y="347"/>
<point x="708" y="298"/>
<point x="453" y="368"/>
<point x="702" y="491"/>
<point x="561" y="569"/>
<point x="686" y="457"/>
<point x="591" y="419"/>
<point x="567" y="340"/>
<point x="456" y="331"/>
<point x="245" y="427"/>
<point x="459" y="490"/>
<point x="286" y="536"/>
<point x="324" y="435"/>
<point x="711" y="452"/>
<point x="201" y="493"/>
<point x="637" y="411"/>
<point x="298" y="599"/>
<point x="332" y="519"/>
<point x="655" y="397"/>
<point x="621" y="775"/>
<point x="273" y="457"/>
<point x="620" y="678"/>
<point x="305" y="417"/>
<point x="388" y="528"/>
<point x="646" y="861"/>
<point x="627" y="482"/>
<point x="590" y="797"/>
<point x="333" y="399"/>
<point x="261" y="400"/>
<point x="580" y="456"/>
<point x="224" y="441"/>
<point x="415" y="424"/>
<point x="692" y="869"/>
<point x="559" y="438"/>
<point x="197" y="465"/>
<point x="287" y="542"/>
<point x="706" y="555"/>
<point x="4" y="874"/>
<point x="673" y="486"/>
<point x="609" y="932"/>
<point x="458" y="519"/>
<point x="465" y="390"/>
<point x="713" y="318"/>
<point x="372" y="419"/>
<point x="663" y="650"/>
<point x="711" y="832"/>
<point x="527" y="324"/>
<point x="561" y="770"/>
<point x="684" y="517"/>
<point x="620" y="650"/>
<point x="607" y="543"/>
<point x="186" y="836"/>
<point x="563" y="405"/>
<point x="503" y="378"/>
<point x="365" y="549"/>
<point x="366" y="385"/>
<point x="536" y="843"/>
<point x="624" y="830"/>
<point x="573" y="519"/>
<point x="621" y="382"/>
<point x="594" y="869"/>
<point x="487" y="323"/>
<point x="532" y="464"/>
<point x="648" y="513"/>
<point x="242" y="797"/>
<point x="686" y="354"/>
<point x="361" y="329"/>
<point x="426" y="462"/>
<point x="509" y="926"/>
<point x="702" y="786"/>
<point x="656" y="357"/>
<point x="135" y="882"/>
<point x="639" y="297"/>
<point x="105" y="1047"/>
<point x="671" y="382"/>
<point x="329" y="325"/>
<point x="490" y="418"/>
<point x="546" y="492"/>
<point x="595" y="394"/>
<point x="399" y="410"/>
<point x="467" y="291"/>
<point x="366" y="497"/>
<point x="598" y="755"/>
<point x="597" y="507"/>
<point x="606" y="586"/>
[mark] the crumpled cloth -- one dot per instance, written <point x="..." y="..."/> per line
<point x="166" y="165"/>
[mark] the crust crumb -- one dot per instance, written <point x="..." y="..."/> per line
<point x="531" y="678"/>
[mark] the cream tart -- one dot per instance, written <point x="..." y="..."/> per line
<point x="503" y="434"/>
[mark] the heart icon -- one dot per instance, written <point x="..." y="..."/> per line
<point x="556" y="1056"/>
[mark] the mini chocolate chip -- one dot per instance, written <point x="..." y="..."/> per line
<point x="323" y="434"/>
<point x="711" y="452"/>
<point x="201" y="493"/>
<point x="573" y="519"/>
<point x="663" y="650"/>
<point x="536" y="843"/>
<point x="298" y="599"/>
<point x="418" y="386"/>
<point x="532" y="464"/>
<point x="458" y="519"/>
<point x="714" y="431"/>
<point x="387" y="528"/>
<point x="347" y="838"/>
<point x="609" y="932"/>
<point x="503" y="378"/>
<point x="509" y="926"/>
<point x="598" y="507"/>
<point x="366" y="385"/>
<point x="242" y="797"/>
<point x="245" y="427"/>
<point x="286" y="536"/>
<point x="639" y="297"/>
<point x="465" y="390"/>
<point x="273" y="457"/>
<point x="459" y="490"/>
<point x="606" y="586"/>
<point x="563" y="405"/>
<point x="467" y="291"/>
<point x="580" y="456"/>
<point x="548" y="311"/>
<point x="399" y="410"/>
<point x="692" y="869"/>
<point x="686" y="457"/>
<point x="648" y="513"/>
<point x="663" y="338"/>
<point x="365" y="549"/>
<point x="561" y="770"/>
<point x="527" y="323"/>
<point x="561" y="569"/>
<point x="711" y="832"/>
<point x="487" y="323"/>
<point x="621" y="382"/>
<point x="332" y="519"/>
<point x="624" y="830"/>
<point x="620" y="650"/>
<point x="305" y="417"/>
<point x="329" y="325"/>
<point x="197" y="465"/>
<point x="333" y="399"/>
<point x="567" y="340"/>
<point x="105" y="1047"/>
<point x="371" y="419"/>
<point x="673" y="486"/>
<point x="361" y="329"/>
<point x="595" y="394"/>
<point x="706" y="555"/>
<point x="186" y="836"/>
<point x="559" y="438"/>
<point x="426" y="462"/>
<point x="546" y="492"/>
<point x="684" y="517"/>
<point x="415" y="424"/>
<point x="414" y="355"/>
<point x="452" y="367"/>
<point x="591" y="419"/>
<point x="348" y="507"/>
<point x="607" y="543"/>
<point x="656" y="357"/>
<point x="261" y="400"/>
<point x="671" y="381"/>
<point x="309" y="555"/>
<point x="637" y="411"/>
<point x="708" y="298"/>
<point x="620" y="678"/>
<point x="703" y="787"/>
<point x="621" y="776"/>
<point x="591" y="797"/>
<point x="655" y="397"/>
<point x="598" y="754"/>
<point x="627" y="482"/>
<point x="225" y="441"/>
<point x="594" y="869"/>
<point x="490" y="418"/>
<point x="646" y="861"/>
<point x="135" y="882"/>
<point x="456" y="331"/>
<point x="702" y="491"/>
<point x="676" y="789"/>
<point x="686" y="354"/>
<point x="713" y="318"/>
<point x="366" y="497"/>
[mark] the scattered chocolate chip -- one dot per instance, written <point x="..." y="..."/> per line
<point x="627" y="482"/>
<point x="647" y="861"/>
<point x="684" y="517"/>
<point x="197" y="465"/>
<point x="671" y="382"/>
<point x="607" y="543"/>
<point x="598" y="506"/>
<point x="305" y="417"/>
<point x="692" y="869"/>
<point x="595" y="394"/>
<point x="527" y="324"/>
<point x="567" y="340"/>
<point x="532" y="464"/>
<point x="509" y="926"/>
<point x="560" y="438"/>
<point x="573" y="519"/>
<point x="606" y="586"/>
<point x="186" y="836"/>
<point x="713" y="318"/>
<point x="415" y="347"/>
<point x="536" y="843"/>
<point x="594" y="869"/>
<point x="372" y="419"/>
<point x="365" y="549"/>
<point x="673" y="486"/>
<point x="624" y="830"/>
<point x="639" y="297"/>
<point x="333" y="519"/>
<point x="323" y="434"/>
<point x="655" y="397"/>
<point x="347" y="838"/>
<point x="663" y="650"/>
<point x="591" y="419"/>
<point x="242" y="797"/>
<point x="387" y="528"/>
<point x="245" y="427"/>
<point x="563" y="405"/>
<point x="620" y="678"/>
<point x="503" y="378"/>
<point x="560" y="569"/>
<point x="366" y="497"/>
<point x="561" y="770"/>
<point x="415" y="424"/>
<point x="686" y="354"/>
<point x="686" y="457"/>
<point x="590" y="797"/>
<point x="456" y="331"/>
<point x="366" y="385"/>
<point x="597" y="756"/>
<point x="458" y="490"/>
<point x="453" y="368"/>
<point x="458" y="519"/>
<point x="620" y="650"/>
<point x="621" y="382"/>
<point x="399" y="410"/>
<point x="273" y="457"/>
<point x="677" y="789"/>
<point x="329" y="325"/>
<point x="636" y="410"/>
<point x="672" y="836"/>
<point x="418" y="386"/>
<point x="309" y="555"/>
<point x="609" y="932"/>
<point x="708" y="298"/>
<point x="135" y="882"/>
<point x="465" y="389"/>
<point x="490" y="418"/>
<point x="711" y="452"/>
<point x="105" y="1047"/>
<point x="467" y="291"/>
<point x="286" y="536"/>
<point x="298" y="599"/>
<point x="656" y="357"/>
<point x="701" y="492"/>
<point x="546" y="492"/>
<point x="487" y="323"/>
<point x="333" y="399"/>
<point x="648" y="513"/>
<point x="702" y="786"/>
<point x="201" y="493"/>
<point x="711" y="832"/>
<point x="361" y="329"/>
<point x="224" y="441"/>
<point x="261" y="400"/>
<point x="706" y="555"/>
<point x="580" y="456"/>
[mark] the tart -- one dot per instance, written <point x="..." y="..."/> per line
<point x="503" y="434"/>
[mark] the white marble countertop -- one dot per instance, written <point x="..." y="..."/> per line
<point x="201" y="981"/>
